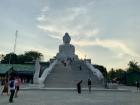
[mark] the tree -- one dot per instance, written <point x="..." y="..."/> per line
<point x="119" y="75"/>
<point x="133" y="66"/>
<point x="9" y="58"/>
<point x="133" y="73"/>
<point x="102" y="69"/>
<point x="1" y="57"/>
<point x="29" y="56"/>
<point x="111" y="74"/>
<point x="32" y="56"/>
<point x="20" y="59"/>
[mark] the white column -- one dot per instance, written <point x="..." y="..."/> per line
<point x="37" y="71"/>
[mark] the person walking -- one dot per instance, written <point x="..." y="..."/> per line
<point x="89" y="85"/>
<point x="12" y="88"/>
<point x="80" y="67"/>
<point x="138" y="86"/>
<point x="79" y="87"/>
<point x="17" y="85"/>
<point x="5" y="87"/>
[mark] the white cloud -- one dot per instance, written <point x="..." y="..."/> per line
<point x="89" y="22"/>
<point x="113" y="45"/>
<point x="74" y="19"/>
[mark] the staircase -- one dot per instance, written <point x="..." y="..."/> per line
<point x="67" y="76"/>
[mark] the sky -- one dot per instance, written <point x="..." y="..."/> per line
<point x="105" y="31"/>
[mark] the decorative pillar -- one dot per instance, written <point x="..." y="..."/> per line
<point x="37" y="71"/>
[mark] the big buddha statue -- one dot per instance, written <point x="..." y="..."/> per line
<point x="66" y="50"/>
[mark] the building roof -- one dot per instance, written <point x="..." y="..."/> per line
<point x="4" y="68"/>
<point x="23" y="67"/>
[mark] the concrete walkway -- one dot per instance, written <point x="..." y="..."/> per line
<point x="121" y="88"/>
<point x="72" y="98"/>
<point x="47" y="97"/>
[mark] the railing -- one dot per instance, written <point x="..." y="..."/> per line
<point x="95" y="71"/>
<point x="46" y="72"/>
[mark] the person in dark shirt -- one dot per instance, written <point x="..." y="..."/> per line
<point x="79" y="87"/>
<point x="89" y="84"/>
<point x="138" y="86"/>
<point x="12" y="88"/>
<point x="80" y="67"/>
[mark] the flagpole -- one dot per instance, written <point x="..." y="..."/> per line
<point x="14" y="49"/>
<point x="15" y="41"/>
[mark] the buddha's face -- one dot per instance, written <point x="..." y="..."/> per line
<point x="66" y="38"/>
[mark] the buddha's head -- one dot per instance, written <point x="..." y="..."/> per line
<point x="66" y="38"/>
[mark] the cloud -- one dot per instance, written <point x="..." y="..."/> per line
<point x="74" y="19"/>
<point x="113" y="45"/>
<point x="93" y="23"/>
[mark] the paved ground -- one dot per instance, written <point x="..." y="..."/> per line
<point x="43" y="97"/>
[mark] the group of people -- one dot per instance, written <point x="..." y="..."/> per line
<point x="79" y="86"/>
<point x="67" y="61"/>
<point x="11" y="85"/>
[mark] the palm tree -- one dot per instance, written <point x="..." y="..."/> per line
<point x="1" y="57"/>
<point x="133" y="66"/>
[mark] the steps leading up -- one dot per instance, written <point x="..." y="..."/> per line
<point x="67" y="76"/>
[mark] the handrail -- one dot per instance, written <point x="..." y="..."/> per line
<point x="95" y="71"/>
<point x="46" y="72"/>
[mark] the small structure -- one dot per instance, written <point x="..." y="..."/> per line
<point x="24" y="71"/>
<point x="37" y="71"/>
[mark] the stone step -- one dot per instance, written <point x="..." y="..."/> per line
<point x="68" y="76"/>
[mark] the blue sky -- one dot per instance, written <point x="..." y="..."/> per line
<point x="107" y="31"/>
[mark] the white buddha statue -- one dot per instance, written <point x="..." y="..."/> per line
<point x="66" y="50"/>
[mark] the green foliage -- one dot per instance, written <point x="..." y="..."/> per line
<point x="102" y="69"/>
<point x="132" y="77"/>
<point x="129" y="77"/>
<point x="117" y="75"/>
<point x="29" y="56"/>
<point x="111" y="74"/>
<point x="10" y="58"/>
<point x="133" y="66"/>
<point x="1" y="56"/>
<point x="32" y="55"/>
<point x="21" y="59"/>
<point x="133" y="73"/>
